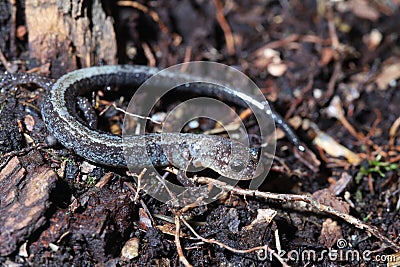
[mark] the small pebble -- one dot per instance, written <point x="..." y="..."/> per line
<point x="51" y="140"/>
<point x="317" y="93"/>
<point x="131" y="249"/>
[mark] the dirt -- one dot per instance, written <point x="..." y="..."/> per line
<point x="302" y="54"/>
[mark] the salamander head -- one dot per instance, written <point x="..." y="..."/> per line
<point x="231" y="159"/>
<point x="243" y="165"/>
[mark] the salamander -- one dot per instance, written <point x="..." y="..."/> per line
<point x="163" y="149"/>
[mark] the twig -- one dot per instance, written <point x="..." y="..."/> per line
<point x="370" y="184"/>
<point x="104" y="180"/>
<point x="337" y="104"/>
<point x="332" y="83"/>
<point x="395" y="159"/>
<point x="5" y="157"/>
<point x="300" y="99"/>
<point x="374" y="124"/>
<point x="182" y="257"/>
<point x="393" y="130"/>
<point x="149" y="55"/>
<point x="241" y="251"/>
<point x="293" y="39"/>
<point x="13" y="27"/>
<point x="336" y="47"/>
<point x="219" y="129"/>
<point x="188" y="54"/>
<point x="135" y="115"/>
<point x="146" y="10"/>
<point x="332" y="28"/>
<point x="144" y="206"/>
<point x="302" y="198"/>
<point x="5" y="63"/>
<point x="230" y="42"/>
<point x="139" y="184"/>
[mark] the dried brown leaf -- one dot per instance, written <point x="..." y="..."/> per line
<point x="333" y="148"/>
<point x="330" y="233"/>
<point x="326" y="197"/>
<point x="363" y="9"/>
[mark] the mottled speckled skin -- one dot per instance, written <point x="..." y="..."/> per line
<point x="163" y="149"/>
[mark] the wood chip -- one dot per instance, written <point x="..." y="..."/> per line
<point x="363" y="9"/>
<point x="340" y="185"/>
<point x="144" y="220"/>
<point x="389" y="73"/>
<point x="24" y="200"/>
<point x="29" y="122"/>
<point x="330" y="233"/>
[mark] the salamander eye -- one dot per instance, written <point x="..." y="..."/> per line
<point x="237" y="165"/>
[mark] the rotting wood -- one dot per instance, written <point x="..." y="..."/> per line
<point x="24" y="200"/>
<point x="70" y="34"/>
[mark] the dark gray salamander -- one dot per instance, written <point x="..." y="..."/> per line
<point x="178" y="149"/>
